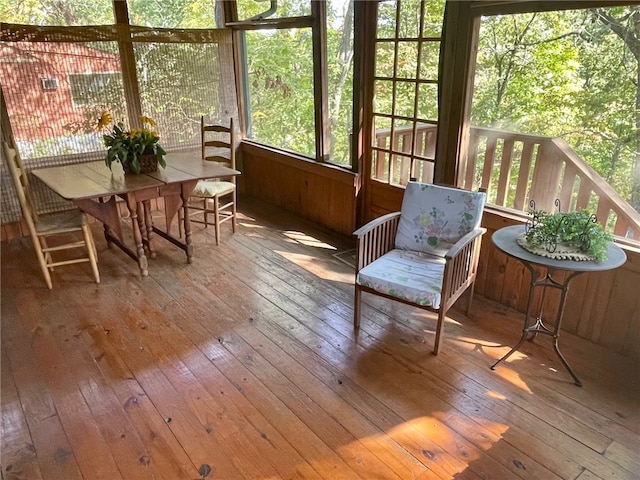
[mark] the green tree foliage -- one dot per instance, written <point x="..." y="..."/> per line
<point x="57" y="12"/>
<point x="280" y="74"/>
<point x="566" y="74"/>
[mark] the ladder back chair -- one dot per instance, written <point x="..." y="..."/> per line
<point x="426" y="255"/>
<point x="216" y="198"/>
<point x="41" y="227"/>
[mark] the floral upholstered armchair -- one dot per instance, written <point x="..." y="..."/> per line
<point x="426" y="255"/>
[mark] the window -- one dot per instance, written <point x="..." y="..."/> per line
<point x="280" y="89"/>
<point x="285" y="69"/>
<point x="175" y="77"/>
<point x="406" y="90"/>
<point x="90" y="88"/>
<point x="553" y="114"/>
<point x="49" y="83"/>
<point x="55" y="12"/>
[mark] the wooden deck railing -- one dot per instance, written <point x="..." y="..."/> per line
<point x="513" y="168"/>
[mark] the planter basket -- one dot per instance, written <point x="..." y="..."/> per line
<point x="148" y="164"/>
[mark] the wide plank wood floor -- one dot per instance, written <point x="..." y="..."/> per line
<point x="244" y="365"/>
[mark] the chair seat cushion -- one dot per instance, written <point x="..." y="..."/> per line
<point x="211" y="188"/>
<point x="412" y="276"/>
<point x="60" y="222"/>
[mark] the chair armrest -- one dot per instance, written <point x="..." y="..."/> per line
<point x="457" y="247"/>
<point x="461" y="266"/>
<point x="375" y="239"/>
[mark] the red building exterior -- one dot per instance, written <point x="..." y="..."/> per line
<point x="53" y="89"/>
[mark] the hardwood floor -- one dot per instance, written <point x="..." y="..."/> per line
<point x="244" y="365"/>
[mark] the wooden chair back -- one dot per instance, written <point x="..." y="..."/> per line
<point x="21" y="184"/>
<point x="221" y="140"/>
<point x="54" y="224"/>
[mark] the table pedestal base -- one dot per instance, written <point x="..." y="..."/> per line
<point x="529" y="332"/>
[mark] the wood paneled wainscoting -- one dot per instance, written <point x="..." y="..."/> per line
<point x="319" y="192"/>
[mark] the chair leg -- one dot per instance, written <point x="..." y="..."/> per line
<point x="356" y="308"/>
<point x="43" y="246"/>
<point x="442" y="314"/>
<point x="42" y="260"/>
<point x="93" y="244"/>
<point x="471" y="288"/>
<point x="205" y="211"/>
<point x="90" y="250"/>
<point x="216" y="212"/>
<point x="233" y="212"/>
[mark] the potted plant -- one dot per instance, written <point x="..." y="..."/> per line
<point x="578" y="230"/>
<point x="137" y="150"/>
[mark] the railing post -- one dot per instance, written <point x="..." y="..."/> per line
<point x="546" y="176"/>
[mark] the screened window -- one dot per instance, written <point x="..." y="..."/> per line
<point x="261" y="9"/>
<point x="280" y="89"/>
<point x="178" y="75"/>
<point x="56" y="12"/>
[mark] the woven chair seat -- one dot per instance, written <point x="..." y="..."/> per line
<point x="209" y="188"/>
<point x="61" y="222"/>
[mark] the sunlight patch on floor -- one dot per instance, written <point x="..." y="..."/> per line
<point x="313" y="265"/>
<point x="308" y="240"/>
<point x="505" y="371"/>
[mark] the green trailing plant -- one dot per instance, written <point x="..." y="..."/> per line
<point x="577" y="229"/>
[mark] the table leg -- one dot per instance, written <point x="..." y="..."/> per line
<point x="530" y="331"/>
<point x="132" y="205"/>
<point x="148" y="223"/>
<point x="185" y="193"/>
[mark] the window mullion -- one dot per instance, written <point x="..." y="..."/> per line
<point x="128" y="65"/>
<point x="320" y="81"/>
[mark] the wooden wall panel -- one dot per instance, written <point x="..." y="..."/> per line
<point x="321" y="193"/>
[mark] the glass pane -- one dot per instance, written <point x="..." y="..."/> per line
<point x="425" y="142"/>
<point x="427" y="101"/>
<point x="405" y="98"/>
<point x="174" y="13"/>
<point x="434" y="14"/>
<point x="280" y="84"/>
<point x="387" y="19"/>
<point x="383" y="98"/>
<point x="56" y="12"/>
<point x="407" y="59"/>
<point x="384" y="59"/>
<point x="382" y="127"/>
<point x="400" y="169"/>
<point x="429" y="60"/>
<point x="340" y="79"/>
<point x="402" y="135"/>
<point x="248" y="9"/>
<point x="409" y="18"/>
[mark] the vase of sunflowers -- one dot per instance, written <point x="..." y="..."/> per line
<point x="136" y="149"/>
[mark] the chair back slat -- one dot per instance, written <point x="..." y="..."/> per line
<point x="224" y="150"/>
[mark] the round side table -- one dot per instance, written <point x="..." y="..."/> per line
<point x="505" y="240"/>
